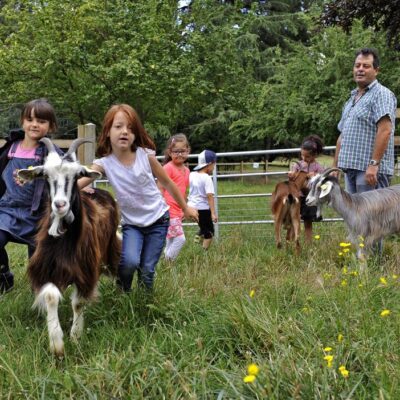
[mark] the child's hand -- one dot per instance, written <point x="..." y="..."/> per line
<point x="191" y="213"/>
<point x="214" y="217"/>
<point x="88" y="189"/>
<point x="291" y="174"/>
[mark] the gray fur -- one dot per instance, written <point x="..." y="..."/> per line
<point x="371" y="215"/>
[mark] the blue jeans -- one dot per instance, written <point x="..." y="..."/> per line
<point x="141" y="250"/>
<point x="355" y="181"/>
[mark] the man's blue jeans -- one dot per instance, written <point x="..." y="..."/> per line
<point x="141" y="250"/>
<point x="355" y="181"/>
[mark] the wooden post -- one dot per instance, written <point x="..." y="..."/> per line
<point x="87" y="150"/>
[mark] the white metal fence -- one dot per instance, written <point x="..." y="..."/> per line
<point x="252" y="210"/>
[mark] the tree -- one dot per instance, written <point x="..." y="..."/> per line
<point x="379" y="14"/>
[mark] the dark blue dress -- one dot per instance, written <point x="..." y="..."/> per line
<point x="16" y="203"/>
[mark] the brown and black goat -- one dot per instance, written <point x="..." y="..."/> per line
<point x="77" y="236"/>
<point x="285" y="206"/>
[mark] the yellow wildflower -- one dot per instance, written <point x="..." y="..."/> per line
<point x="344" y="270"/>
<point x="343" y="283"/>
<point x="361" y="239"/>
<point x="252" y="293"/>
<point x="346" y="250"/>
<point x="340" y="338"/>
<point x="253" y="369"/>
<point x="383" y="280"/>
<point x="361" y="245"/>
<point x="249" y="378"/>
<point x="394" y="276"/>
<point x="327" y="276"/>
<point x="328" y="349"/>
<point x="340" y="253"/>
<point x="385" y="313"/>
<point x="344" y="244"/>
<point x="354" y="273"/>
<point x="329" y="360"/>
<point x="360" y="285"/>
<point x="317" y="237"/>
<point x="344" y="372"/>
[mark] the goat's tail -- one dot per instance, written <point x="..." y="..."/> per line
<point x="49" y="294"/>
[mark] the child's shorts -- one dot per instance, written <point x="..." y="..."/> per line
<point x="205" y="223"/>
<point x="175" y="228"/>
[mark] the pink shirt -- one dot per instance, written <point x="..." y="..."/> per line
<point x="180" y="176"/>
<point x="22" y="153"/>
<point x="312" y="167"/>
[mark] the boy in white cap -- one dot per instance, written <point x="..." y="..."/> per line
<point x="201" y="195"/>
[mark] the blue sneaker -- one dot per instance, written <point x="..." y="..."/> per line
<point x="6" y="282"/>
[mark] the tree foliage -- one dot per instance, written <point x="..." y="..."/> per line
<point x="231" y="75"/>
<point x="379" y="14"/>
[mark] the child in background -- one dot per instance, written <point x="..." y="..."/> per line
<point x="176" y="154"/>
<point x="21" y="204"/>
<point x="127" y="158"/>
<point x="311" y="147"/>
<point x="201" y="195"/>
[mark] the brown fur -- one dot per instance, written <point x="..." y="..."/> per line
<point x="285" y="206"/>
<point x="77" y="256"/>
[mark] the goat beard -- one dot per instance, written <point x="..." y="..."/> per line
<point x="57" y="223"/>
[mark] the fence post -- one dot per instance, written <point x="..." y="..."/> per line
<point x="215" y="181"/>
<point x="266" y="168"/>
<point x="86" y="151"/>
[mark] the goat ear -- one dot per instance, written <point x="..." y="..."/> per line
<point x="325" y="189"/>
<point x="90" y="173"/>
<point x="31" y="173"/>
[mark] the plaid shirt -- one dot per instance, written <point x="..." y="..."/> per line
<point x="358" y="127"/>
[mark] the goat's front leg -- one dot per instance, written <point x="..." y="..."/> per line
<point x="78" y="304"/>
<point x="47" y="300"/>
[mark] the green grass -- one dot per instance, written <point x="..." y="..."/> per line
<point x="201" y="330"/>
<point x="195" y="338"/>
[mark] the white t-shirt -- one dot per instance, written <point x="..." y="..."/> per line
<point x="140" y="201"/>
<point x="201" y="184"/>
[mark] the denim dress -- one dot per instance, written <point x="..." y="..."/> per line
<point x="16" y="203"/>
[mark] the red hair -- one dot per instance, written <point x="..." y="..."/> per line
<point x="142" y="138"/>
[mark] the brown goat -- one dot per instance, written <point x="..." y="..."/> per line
<point x="285" y="206"/>
<point x="77" y="235"/>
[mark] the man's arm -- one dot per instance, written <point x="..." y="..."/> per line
<point x="337" y="150"/>
<point x="384" y="130"/>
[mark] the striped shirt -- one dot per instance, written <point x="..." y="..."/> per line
<point x="358" y="128"/>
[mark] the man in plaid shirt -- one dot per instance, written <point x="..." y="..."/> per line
<point x="365" y="147"/>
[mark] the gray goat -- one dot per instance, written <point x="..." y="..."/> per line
<point x="371" y="215"/>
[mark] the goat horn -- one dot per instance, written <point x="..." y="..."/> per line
<point x="329" y="170"/>
<point x="74" y="146"/>
<point x="49" y="144"/>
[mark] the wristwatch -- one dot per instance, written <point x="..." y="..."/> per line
<point x="373" y="163"/>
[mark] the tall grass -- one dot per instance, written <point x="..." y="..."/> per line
<point x="212" y="314"/>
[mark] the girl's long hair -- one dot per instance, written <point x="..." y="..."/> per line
<point x="179" y="137"/>
<point x="142" y="138"/>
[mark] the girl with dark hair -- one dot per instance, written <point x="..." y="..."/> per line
<point x="311" y="147"/>
<point x="21" y="203"/>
